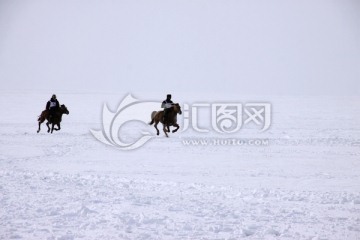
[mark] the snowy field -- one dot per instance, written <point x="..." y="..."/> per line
<point x="304" y="184"/>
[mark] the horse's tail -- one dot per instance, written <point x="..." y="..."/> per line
<point x="152" y="117"/>
<point x="42" y="116"/>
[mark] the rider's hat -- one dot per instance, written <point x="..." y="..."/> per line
<point x="53" y="96"/>
<point x="168" y="96"/>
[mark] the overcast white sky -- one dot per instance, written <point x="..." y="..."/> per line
<point x="246" y="47"/>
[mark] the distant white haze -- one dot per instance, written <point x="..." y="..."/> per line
<point x="228" y="47"/>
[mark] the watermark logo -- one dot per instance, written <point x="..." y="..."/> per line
<point x="229" y="117"/>
<point x="130" y="109"/>
<point x="226" y="118"/>
<point x="259" y="113"/>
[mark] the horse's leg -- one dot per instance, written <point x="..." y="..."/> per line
<point x="157" y="130"/>
<point x="40" y="122"/>
<point x="165" y="130"/>
<point x="52" y="127"/>
<point x="47" y="124"/>
<point x="177" y="127"/>
<point x="41" y="119"/>
<point x="58" y="127"/>
<point x="168" y="124"/>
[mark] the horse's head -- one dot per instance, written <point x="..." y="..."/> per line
<point x="64" y="109"/>
<point x="177" y="108"/>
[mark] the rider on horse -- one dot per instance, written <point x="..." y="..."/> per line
<point x="52" y="105"/>
<point x="168" y="117"/>
<point x="167" y="105"/>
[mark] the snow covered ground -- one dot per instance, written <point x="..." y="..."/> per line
<point x="304" y="184"/>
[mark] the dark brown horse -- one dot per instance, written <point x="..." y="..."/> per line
<point x="158" y="116"/>
<point x="55" y="119"/>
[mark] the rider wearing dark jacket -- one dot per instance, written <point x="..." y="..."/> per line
<point x="52" y="105"/>
<point x="167" y="104"/>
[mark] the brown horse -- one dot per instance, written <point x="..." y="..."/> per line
<point x="158" y="116"/>
<point x="55" y="119"/>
